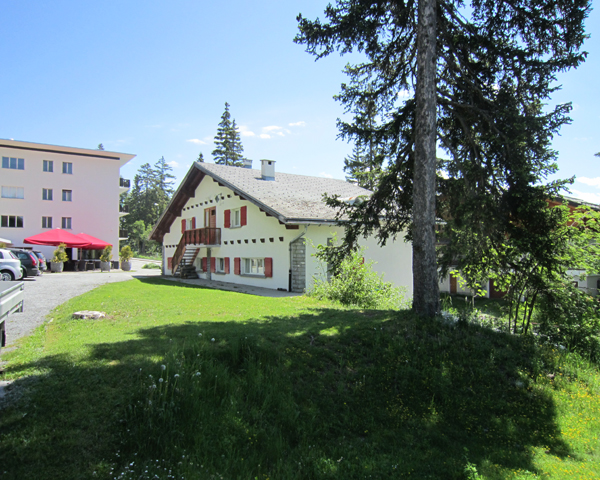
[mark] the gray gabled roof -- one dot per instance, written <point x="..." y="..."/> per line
<point x="292" y="199"/>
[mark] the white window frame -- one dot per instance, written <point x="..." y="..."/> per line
<point x="235" y="218"/>
<point x="46" y="222"/>
<point x="253" y="266"/>
<point x="219" y="264"/>
<point x="13" y="163"/>
<point x="48" y="166"/>
<point x="47" y="194"/>
<point x="13" y="192"/>
<point x="67" y="168"/>
<point x="66" y="223"/>
<point x="67" y="195"/>
<point x="5" y="221"/>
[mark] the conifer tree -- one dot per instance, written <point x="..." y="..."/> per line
<point x="475" y="77"/>
<point x="200" y="158"/>
<point x="228" y="145"/>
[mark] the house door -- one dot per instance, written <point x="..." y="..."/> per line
<point x="210" y="217"/>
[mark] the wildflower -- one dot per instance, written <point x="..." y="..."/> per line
<point x="199" y="334"/>
<point x="176" y="375"/>
<point x="212" y="339"/>
<point x="197" y="374"/>
<point x="160" y="380"/>
<point x="163" y="367"/>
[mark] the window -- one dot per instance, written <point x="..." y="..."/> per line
<point x="48" y="165"/>
<point x="46" y="194"/>
<point x="235" y="218"/>
<point x="13" y="163"/>
<point x="253" y="266"/>
<point x="221" y="264"/>
<point x="66" y="223"/>
<point x="67" y="195"/>
<point x="11" y="221"/>
<point x="46" y="222"/>
<point x="13" y="192"/>
<point x="68" y="168"/>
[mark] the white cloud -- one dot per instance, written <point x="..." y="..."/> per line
<point x="594" y="182"/>
<point x="197" y="141"/>
<point x="264" y="135"/>
<point x="271" y="128"/>
<point x="588" y="197"/>
<point x="326" y="175"/>
<point x="244" y="132"/>
<point x="405" y="94"/>
<point x="174" y="164"/>
<point x="301" y="123"/>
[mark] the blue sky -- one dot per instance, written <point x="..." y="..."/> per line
<point x="151" y="78"/>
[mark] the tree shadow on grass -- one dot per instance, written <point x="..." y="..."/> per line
<point x="345" y="393"/>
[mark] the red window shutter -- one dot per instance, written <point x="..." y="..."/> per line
<point x="268" y="267"/>
<point x="226" y="264"/>
<point x="183" y="226"/>
<point x="204" y="264"/>
<point x="193" y="223"/>
<point x="227" y="219"/>
<point x="236" y="265"/>
<point x="170" y="263"/>
<point x="243" y="217"/>
<point x="213" y="264"/>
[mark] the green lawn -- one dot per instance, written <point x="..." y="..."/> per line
<point x="186" y="382"/>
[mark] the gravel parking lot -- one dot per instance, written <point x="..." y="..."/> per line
<point x="45" y="292"/>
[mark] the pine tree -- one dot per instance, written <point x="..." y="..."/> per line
<point x="200" y="158"/>
<point x="100" y="146"/>
<point x="472" y="75"/>
<point x="228" y="145"/>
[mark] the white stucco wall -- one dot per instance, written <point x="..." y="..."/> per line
<point x="394" y="260"/>
<point x="94" y="183"/>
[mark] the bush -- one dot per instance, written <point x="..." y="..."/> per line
<point x="126" y="253"/>
<point x="106" y="254"/>
<point x="59" y="254"/>
<point x="355" y="283"/>
<point x="571" y="318"/>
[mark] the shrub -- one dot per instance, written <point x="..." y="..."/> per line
<point x="355" y="283"/>
<point x="59" y="254"/>
<point x="106" y="254"/>
<point x="126" y="253"/>
<point x="571" y="318"/>
<point x="151" y="265"/>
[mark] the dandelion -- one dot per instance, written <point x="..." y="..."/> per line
<point x="199" y="334"/>
<point x="212" y="339"/>
<point x="160" y="380"/>
<point x="197" y="374"/>
<point x="176" y="375"/>
<point x="163" y="367"/>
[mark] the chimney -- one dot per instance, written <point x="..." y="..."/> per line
<point x="267" y="169"/>
<point x="247" y="162"/>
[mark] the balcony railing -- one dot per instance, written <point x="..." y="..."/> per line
<point x="124" y="182"/>
<point x="123" y="234"/>
<point x="123" y="208"/>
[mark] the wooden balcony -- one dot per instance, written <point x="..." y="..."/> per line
<point x="199" y="237"/>
<point x="203" y="237"/>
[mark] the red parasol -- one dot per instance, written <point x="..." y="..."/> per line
<point x="94" y="243"/>
<point x="56" y="237"/>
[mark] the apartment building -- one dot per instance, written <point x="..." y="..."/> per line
<point x="47" y="186"/>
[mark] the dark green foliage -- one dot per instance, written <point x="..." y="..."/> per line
<point x="146" y="201"/>
<point x="571" y="318"/>
<point x="228" y="145"/>
<point x="497" y="63"/>
<point x="100" y="146"/>
<point x="200" y="158"/>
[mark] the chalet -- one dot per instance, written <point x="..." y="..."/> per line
<point x="260" y="228"/>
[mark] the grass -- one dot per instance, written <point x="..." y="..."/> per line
<point x="288" y="388"/>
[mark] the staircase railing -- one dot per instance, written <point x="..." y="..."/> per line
<point x="202" y="237"/>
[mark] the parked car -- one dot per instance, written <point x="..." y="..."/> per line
<point x="29" y="262"/>
<point x="10" y="266"/>
<point x="42" y="260"/>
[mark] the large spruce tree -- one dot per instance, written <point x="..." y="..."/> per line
<point x="475" y="77"/>
<point x="228" y="145"/>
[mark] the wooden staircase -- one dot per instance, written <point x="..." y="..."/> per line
<point x="185" y="268"/>
<point x="188" y="248"/>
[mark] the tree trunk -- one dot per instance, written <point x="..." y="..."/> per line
<point x="426" y="297"/>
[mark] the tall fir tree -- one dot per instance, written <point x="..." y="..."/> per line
<point x="472" y="75"/>
<point x="228" y="144"/>
<point x="200" y="158"/>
